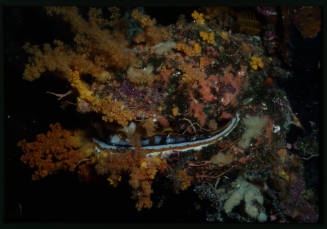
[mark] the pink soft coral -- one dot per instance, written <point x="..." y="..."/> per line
<point x="205" y="91"/>
<point x="197" y="112"/>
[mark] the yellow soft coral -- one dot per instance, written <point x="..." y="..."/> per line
<point x="184" y="48"/>
<point x="256" y="62"/>
<point x="143" y="19"/>
<point x="189" y="51"/>
<point x="198" y="17"/>
<point x="208" y="37"/>
<point x="175" y="111"/>
<point x="284" y="175"/>
<point x="191" y="74"/>
<point x="196" y="49"/>
<point x="224" y="35"/>
<point x="81" y="87"/>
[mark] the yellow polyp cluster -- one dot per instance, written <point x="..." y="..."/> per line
<point x="113" y="111"/>
<point x="196" y="49"/>
<point x="114" y="182"/>
<point x="188" y="50"/>
<point x="202" y="60"/>
<point x="191" y="74"/>
<point x="256" y="63"/>
<point x="144" y="164"/>
<point x="208" y="37"/>
<point x="184" y="179"/>
<point x="175" y="111"/>
<point x="143" y="19"/>
<point x="103" y="76"/>
<point x="224" y="35"/>
<point x="81" y="87"/>
<point x="110" y="181"/>
<point x="184" y="48"/>
<point x="284" y="175"/>
<point x="198" y="17"/>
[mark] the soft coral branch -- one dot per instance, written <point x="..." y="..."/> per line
<point x="58" y="149"/>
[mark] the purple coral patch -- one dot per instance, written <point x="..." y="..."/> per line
<point x="127" y="89"/>
<point x="230" y="89"/>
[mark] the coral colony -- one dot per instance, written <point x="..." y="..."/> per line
<point x="191" y="102"/>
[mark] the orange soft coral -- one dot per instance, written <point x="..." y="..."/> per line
<point x="96" y="49"/>
<point x="152" y="34"/>
<point x="142" y="178"/>
<point x="112" y="111"/>
<point x="183" y="179"/>
<point x="142" y="171"/>
<point x="150" y="127"/>
<point x="61" y="58"/>
<point x="58" y="149"/>
<point x="143" y="19"/>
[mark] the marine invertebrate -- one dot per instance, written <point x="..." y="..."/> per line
<point x="296" y="205"/>
<point x="206" y="91"/>
<point x="185" y="48"/>
<point x="208" y="37"/>
<point x="252" y="197"/>
<point x="254" y="128"/>
<point x="58" y="149"/>
<point x="183" y="179"/>
<point x="151" y="34"/>
<point x="198" y="17"/>
<point x="191" y="74"/>
<point x="256" y="63"/>
<point x="162" y="144"/>
<point x="112" y="111"/>
<point x="141" y="170"/>
<point x="142" y="177"/>
<point x="224" y="35"/>
<point x="197" y="108"/>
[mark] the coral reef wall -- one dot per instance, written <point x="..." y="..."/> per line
<point x="144" y="110"/>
